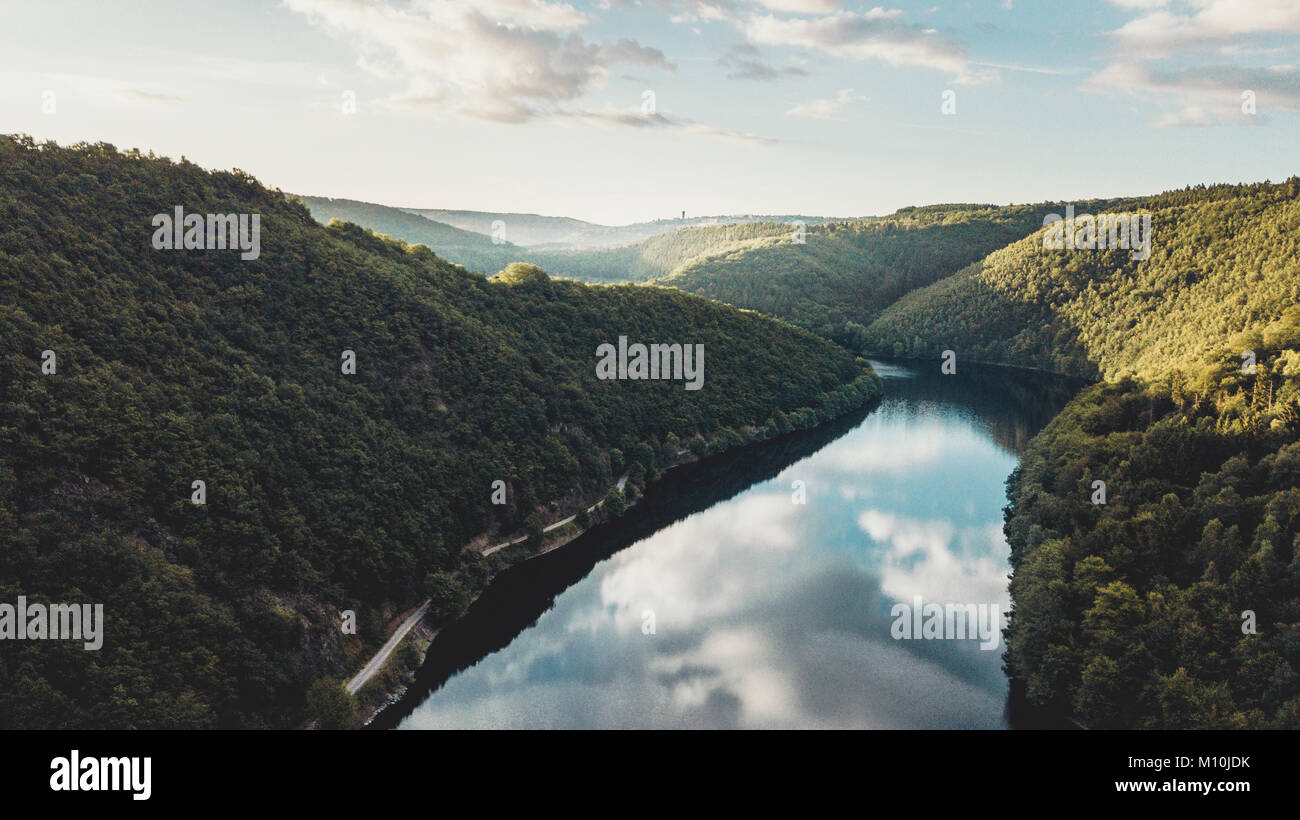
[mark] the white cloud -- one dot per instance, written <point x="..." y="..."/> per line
<point x="635" y="118"/>
<point x="921" y="558"/>
<point x="1188" y="115"/>
<point x="501" y="60"/>
<point x="1160" y="33"/>
<point x="744" y="62"/>
<point x="802" y="6"/>
<point x="1204" y="95"/>
<point x="905" y="536"/>
<point x="827" y="109"/>
<point x="693" y="573"/>
<point x="824" y="25"/>
<point x="878" y="34"/>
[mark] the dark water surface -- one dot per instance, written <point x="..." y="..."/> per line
<point x="767" y="613"/>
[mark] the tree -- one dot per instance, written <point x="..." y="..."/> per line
<point x="1099" y="693"/>
<point x="448" y="596"/>
<point x="615" y="504"/>
<point x="535" y="527"/>
<point x="331" y="704"/>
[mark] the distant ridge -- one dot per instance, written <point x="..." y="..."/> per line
<point x="560" y="232"/>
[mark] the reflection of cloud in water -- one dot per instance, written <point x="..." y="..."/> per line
<point x="879" y="455"/>
<point x="751" y="631"/>
<point x="703" y="566"/>
<point x="887" y="444"/>
<point x="891" y="371"/>
<point x="922" y="559"/>
<point x="775" y="614"/>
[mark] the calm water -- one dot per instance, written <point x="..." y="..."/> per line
<point x="767" y="613"/>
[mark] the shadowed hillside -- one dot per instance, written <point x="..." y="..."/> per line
<point x="326" y="490"/>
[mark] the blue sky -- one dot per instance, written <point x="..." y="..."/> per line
<point x="759" y="106"/>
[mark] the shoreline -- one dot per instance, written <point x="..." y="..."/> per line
<point x="892" y="359"/>
<point x="392" y="695"/>
<point x="368" y="713"/>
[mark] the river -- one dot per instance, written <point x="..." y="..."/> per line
<point x="759" y="589"/>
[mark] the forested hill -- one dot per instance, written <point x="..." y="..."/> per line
<point x="525" y="229"/>
<point x="564" y="233"/>
<point x="1155" y="523"/>
<point x="325" y="490"/>
<point x="1223" y="259"/>
<point x="660" y="255"/>
<point x="474" y="251"/>
<point x="842" y="275"/>
<point x="638" y="261"/>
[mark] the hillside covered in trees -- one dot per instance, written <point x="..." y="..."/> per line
<point x="661" y="254"/>
<point x="842" y="275"/>
<point x="1175" y="600"/>
<point x="565" y="233"/>
<point x="1174" y="604"/>
<point x="648" y="258"/>
<point x="1222" y="259"/>
<point x="473" y="251"/>
<point x="1130" y="612"/>
<point x="1168" y="601"/>
<point x="325" y="489"/>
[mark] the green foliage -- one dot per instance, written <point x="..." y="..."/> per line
<point x="845" y="273"/>
<point x="523" y="275"/>
<point x="699" y="447"/>
<point x="330" y="703"/>
<point x="645" y="258"/>
<point x="325" y="491"/>
<point x="1131" y="613"/>
<point x="636" y="475"/>
<point x="663" y="253"/>
<point x="475" y="251"/>
<point x="448" y="596"/>
<point x="1223" y="259"/>
<point x="615" y="503"/>
<point x="534" y="530"/>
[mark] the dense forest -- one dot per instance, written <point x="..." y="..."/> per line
<point x="1171" y="600"/>
<point x="326" y="489"/>
<point x="1154" y="524"/>
<point x="842" y="275"/>
<point x="660" y="255"/>
<point x="1222" y="259"/>
<point x="1173" y="604"/>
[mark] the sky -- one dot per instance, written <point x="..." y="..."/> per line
<point x="619" y="111"/>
